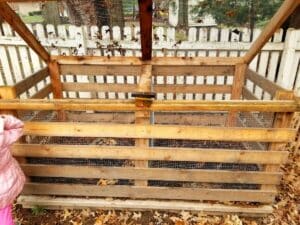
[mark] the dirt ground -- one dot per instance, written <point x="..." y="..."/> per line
<point x="286" y="208"/>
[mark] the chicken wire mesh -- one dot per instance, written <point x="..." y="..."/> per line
<point x="210" y="119"/>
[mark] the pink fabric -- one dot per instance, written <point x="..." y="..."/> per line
<point x="12" y="178"/>
<point x="6" y="217"/>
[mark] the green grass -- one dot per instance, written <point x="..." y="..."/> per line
<point x="33" y="19"/>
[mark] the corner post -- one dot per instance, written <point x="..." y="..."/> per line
<point x="56" y="84"/>
<point x="237" y="89"/>
<point x="281" y="120"/>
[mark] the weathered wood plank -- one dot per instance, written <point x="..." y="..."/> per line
<point x="44" y="92"/>
<point x="264" y="83"/>
<point x="136" y="70"/>
<point x="160" y="118"/>
<point x="248" y="94"/>
<point x="155" y="153"/>
<point x="192" y="70"/>
<point x="166" y="105"/>
<point x="158" y="131"/>
<point x="159" y="88"/>
<point x="55" y="79"/>
<point x="209" y="176"/>
<point x="100" y="69"/>
<point x="49" y="202"/>
<point x="149" y="192"/>
<point x="156" y="61"/>
<point x="29" y="82"/>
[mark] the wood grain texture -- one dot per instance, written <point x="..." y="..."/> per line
<point x="149" y="192"/>
<point x="153" y="153"/>
<point x="139" y="173"/>
<point x="30" y="81"/>
<point x="166" y="105"/>
<point x="159" y="132"/>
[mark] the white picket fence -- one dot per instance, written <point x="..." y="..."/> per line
<point x="278" y="62"/>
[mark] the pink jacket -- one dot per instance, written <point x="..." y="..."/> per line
<point x="12" y="178"/>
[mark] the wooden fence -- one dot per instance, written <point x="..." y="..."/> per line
<point x="278" y="62"/>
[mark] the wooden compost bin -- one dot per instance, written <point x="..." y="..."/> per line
<point x="145" y="153"/>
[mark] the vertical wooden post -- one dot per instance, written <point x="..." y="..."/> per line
<point x="145" y="8"/>
<point x="55" y="79"/>
<point x="282" y="120"/>
<point x="143" y="116"/>
<point x="56" y="85"/>
<point x="237" y="89"/>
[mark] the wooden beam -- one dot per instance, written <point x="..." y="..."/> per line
<point x="248" y="94"/>
<point x="48" y="202"/>
<point x="57" y="88"/>
<point x="263" y="83"/>
<point x="100" y="70"/>
<point x="139" y="173"/>
<point x="238" y="81"/>
<point x="158" y="131"/>
<point x="236" y="91"/>
<point x="30" y="81"/>
<point x="193" y="70"/>
<point x="282" y="120"/>
<point x="286" y="9"/>
<point x="166" y="105"/>
<point x="17" y="24"/>
<point x="143" y="117"/>
<point x="145" y="12"/>
<point x="138" y="192"/>
<point x="153" y="153"/>
<point x="44" y="92"/>
<point x="158" y="88"/>
<point x="155" y="61"/>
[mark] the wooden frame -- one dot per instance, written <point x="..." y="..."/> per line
<point x="142" y="130"/>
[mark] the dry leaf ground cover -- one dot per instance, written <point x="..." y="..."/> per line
<point x="286" y="209"/>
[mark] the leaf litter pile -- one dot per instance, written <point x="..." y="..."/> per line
<point x="286" y="208"/>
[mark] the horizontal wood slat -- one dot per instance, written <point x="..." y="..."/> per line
<point x="29" y="82"/>
<point x="165" y="154"/>
<point x="262" y="82"/>
<point x="122" y="70"/>
<point x="160" y="88"/>
<point x="100" y="70"/>
<point x="208" y="176"/>
<point x="158" y="131"/>
<point x="44" y="92"/>
<point x="166" y="105"/>
<point x="192" y="70"/>
<point x="156" y="61"/>
<point x="160" y="118"/>
<point x="149" y="192"/>
<point x="48" y="202"/>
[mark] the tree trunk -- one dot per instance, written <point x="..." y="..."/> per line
<point x="51" y="13"/>
<point x="88" y="12"/>
<point x="183" y="15"/>
<point x="116" y="13"/>
<point x="102" y="12"/>
<point x="252" y="18"/>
